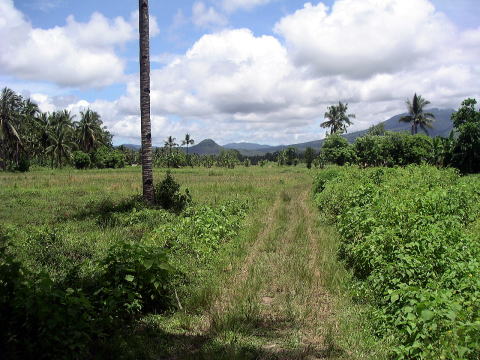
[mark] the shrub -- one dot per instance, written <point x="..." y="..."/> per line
<point x="23" y="164"/>
<point x="81" y="160"/>
<point x="408" y="235"/>
<point x="105" y="157"/>
<point x="135" y="278"/>
<point x="168" y="196"/>
<point x="337" y="150"/>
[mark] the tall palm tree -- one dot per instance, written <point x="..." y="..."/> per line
<point x="89" y="130"/>
<point x="338" y="119"/>
<point x="170" y="144"/>
<point x="61" y="141"/>
<point x="188" y="141"/>
<point x="10" y="141"/>
<point x="147" y="166"/>
<point x="416" y="116"/>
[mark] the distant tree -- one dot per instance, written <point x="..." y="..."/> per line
<point x="338" y="119"/>
<point x="188" y="141"/>
<point x="466" y="151"/>
<point x="10" y="141"/>
<point x="309" y="156"/>
<point x="89" y="131"/>
<point x="376" y="130"/>
<point x="61" y="139"/>
<point x="337" y="150"/>
<point x="170" y="144"/>
<point x="416" y="115"/>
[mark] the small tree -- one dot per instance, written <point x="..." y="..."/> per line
<point x="309" y="157"/>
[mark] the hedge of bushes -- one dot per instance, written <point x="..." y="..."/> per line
<point x="411" y="238"/>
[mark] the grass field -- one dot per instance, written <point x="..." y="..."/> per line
<point x="273" y="291"/>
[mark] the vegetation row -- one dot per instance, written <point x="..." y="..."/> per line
<point x="410" y="237"/>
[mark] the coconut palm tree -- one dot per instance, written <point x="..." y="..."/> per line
<point x="188" y="141"/>
<point x="10" y="141"/>
<point x="89" y="130"/>
<point x="147" y="166"/>
<point x="61" y="140"/>
<point x="416" y="116"/>
<point x="170" y="144"/>
<point x="338" y="119"/>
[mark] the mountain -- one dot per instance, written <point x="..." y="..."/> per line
<point x="131" y="146"/>
<point x="206" y="147"/>
<point x="441" y="127"/>
<point x="246" y="146"/>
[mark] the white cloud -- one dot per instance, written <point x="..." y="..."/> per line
<point x="233" y="5"/>
<point x="77" y="54"/>
<point x="207" y="17"/>
<point x="362" y="38"/>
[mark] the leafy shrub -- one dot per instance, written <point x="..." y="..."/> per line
<point x="337" y="150"/>
<point x="23" y="164"/>
<point x="168" y="196"/>
<point x="407" y="236"/>
<point x="199" y="234"/>
<point x="105" y="157"/>
<point x="135" y="278"/>
<point x="81" y="160"/>
<point x="40" y="319"/>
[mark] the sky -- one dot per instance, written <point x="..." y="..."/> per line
<point x="261" y="71"/>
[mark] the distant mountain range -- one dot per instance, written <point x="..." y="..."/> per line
<point x="246" y="146"/>
<point x="442" y="126"/>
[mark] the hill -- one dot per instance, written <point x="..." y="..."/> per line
<point x="206" y="147"/>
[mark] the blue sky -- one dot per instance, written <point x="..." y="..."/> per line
<point x="241" y="70"/>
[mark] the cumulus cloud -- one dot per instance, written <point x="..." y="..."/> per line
<point x="77" y="54"/>
<point x="361" y="38"/>
<point x="207" y="17"/>
<point x="233" y="5"/>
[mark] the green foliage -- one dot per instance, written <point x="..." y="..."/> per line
<point x="23" y="164"/>
<point x="168" y="196"/>
<point x="337" y="150"/>
<point x="135" y="278"/>
<point x="199" y="234"/>
<point x="466" y="151"/>
<point x="408" y="236"/>
<point x="81" y="160"/>
<point x="309" y="157"/>
<point x="106" y="157"/>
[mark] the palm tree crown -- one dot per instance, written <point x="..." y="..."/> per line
<point x="188" y="141"/>
<point x="338" y="119"/>
<point x="416" y="116"/>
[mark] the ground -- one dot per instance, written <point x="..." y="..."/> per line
<point x="278" y="291"/>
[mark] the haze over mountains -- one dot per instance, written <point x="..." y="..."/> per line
<point x="442" y="126"/>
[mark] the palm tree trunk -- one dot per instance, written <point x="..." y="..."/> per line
<point x="147" y="169"/>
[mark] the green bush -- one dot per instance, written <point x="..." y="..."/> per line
<point x="106" y="157"/>
<point x="409" y="236"/>
<point x="81" y="160"/>
<point x="337" y="150"/>
<point x="23" y="164"/>
<point x="135" y="278"/>
<point x="168" y="196"/>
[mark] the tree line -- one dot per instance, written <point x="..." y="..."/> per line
<point x="461" y="149"/>
<point x="28" y="135"/>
